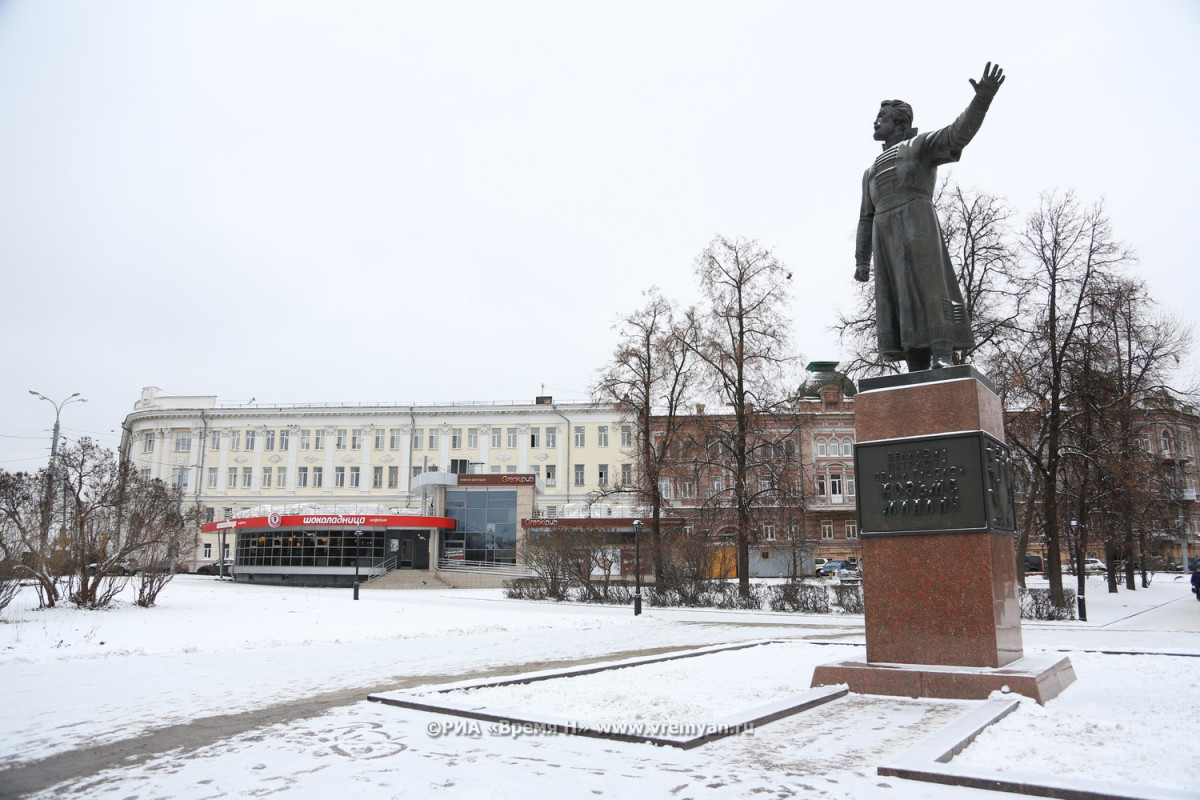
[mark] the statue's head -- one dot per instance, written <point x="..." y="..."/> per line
<point x="894" y="121"/>
<point x="900" y="110"/>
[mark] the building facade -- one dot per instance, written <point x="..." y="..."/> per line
<point x="492" y="472"/>
<point x="231" y="459"/>
<point x="801" y="482"/>
<point x="1172" y="431"/>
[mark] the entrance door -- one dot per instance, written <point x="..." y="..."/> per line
<point x="408" y="550"/>
<point x="399" y="551"/>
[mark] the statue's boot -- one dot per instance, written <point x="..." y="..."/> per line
<point x="917" y="359"/>
<point x="942" y="356"/>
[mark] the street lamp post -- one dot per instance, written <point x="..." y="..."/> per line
<point x="58" y="407"/>
<point x="1080" y="575"/>
<point x="357" y="539"/>
<point x="637" y="567"/>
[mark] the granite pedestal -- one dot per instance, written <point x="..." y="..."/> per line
<point x="939" y="566"/>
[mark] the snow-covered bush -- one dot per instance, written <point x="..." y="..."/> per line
<point x="1036" y="604"/>
<point x="800" y="598"/>
<point x="848" y="597"/>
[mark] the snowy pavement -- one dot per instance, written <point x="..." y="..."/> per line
<point x="228" y="690"/>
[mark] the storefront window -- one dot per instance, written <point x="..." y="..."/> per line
<point x="308" y="549"/>
<point x="486" y="528"/>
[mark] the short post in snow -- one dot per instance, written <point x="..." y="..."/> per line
<point x="637" y="567"/>
<point x="1080" y="572"/>
<point x="357" y="539"/>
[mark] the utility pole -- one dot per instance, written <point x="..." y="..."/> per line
<point x="50" y="473"/>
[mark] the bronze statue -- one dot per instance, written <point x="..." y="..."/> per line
<point x="919" y="310"/>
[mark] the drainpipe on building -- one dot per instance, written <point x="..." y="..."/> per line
<point x="199" y="483"/>
<point x="567" y="434"/>
<point x="412" y="424"/>
<point x="203" y="453"/>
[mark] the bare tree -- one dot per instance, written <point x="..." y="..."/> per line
<point x="742" y="345"/>
<point x="552" y="562"/>
<point x="91" y="479"/>
<point x="1147" y="347"/>
<point x="1118" y="385"/>
<point x="25" y="538"/>
<point x="650" y="378"/>
<point x="1066" y="250"/>
<point x="775" y="486"/>
<point x="1027" y="486"/>
<point x="789" y="495"/>
<point x="102" y="525"/>
<point x="566" y="558"/>
<point x="152" y="514"/>
<point x="690" y="565"/>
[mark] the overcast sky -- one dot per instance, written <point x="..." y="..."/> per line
<point x="401" y="201"/>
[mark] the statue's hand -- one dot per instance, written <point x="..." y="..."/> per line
<point x="989" y="84"/>
<point x="862" y="273"/>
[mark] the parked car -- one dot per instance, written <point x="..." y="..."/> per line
<point x="1033" y="563"/>
<point x="850" y="574"/>
<point x="128" y="568"/>
<point x="212" y="567"/>
<point x="833" y="566"/>
<point x="1091" y="566"/>
<point x="818" y="563"/>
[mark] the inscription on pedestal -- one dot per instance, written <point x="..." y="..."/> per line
<point x="950" y="483"/>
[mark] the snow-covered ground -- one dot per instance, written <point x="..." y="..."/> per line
<point x="229" y="690"/>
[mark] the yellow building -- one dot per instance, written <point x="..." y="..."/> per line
<point x="231" y="458"/>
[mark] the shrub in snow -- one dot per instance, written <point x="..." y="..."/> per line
<point x="602" y="592"/>
<point x="526" y="589"/>
<point x="849" y="597"/>
<point x="801" y="598"/>
<point x="726" y="595"/>
<point x="1036" y="604"/>
<point x="797" y="597"/>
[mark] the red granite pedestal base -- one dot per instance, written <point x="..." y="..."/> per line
<point x="1040" y="678"/>
<point x="942" y="613"/>
<point x="942" y="598"/>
